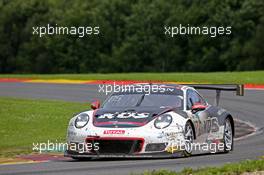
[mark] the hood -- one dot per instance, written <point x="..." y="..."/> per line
<point x="122" y="118"/>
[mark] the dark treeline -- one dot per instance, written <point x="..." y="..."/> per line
<point x="131" y="36"/>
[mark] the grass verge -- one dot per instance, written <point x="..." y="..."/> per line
<point x="255" y="77"/>
<point x="24" y="121"/>
<point x="229" y="169"/>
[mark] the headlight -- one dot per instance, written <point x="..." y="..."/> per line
<point x="163" y="121"/>
<point x="81" y="120"/>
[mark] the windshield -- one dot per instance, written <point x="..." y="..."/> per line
<point x="152" y="100"/>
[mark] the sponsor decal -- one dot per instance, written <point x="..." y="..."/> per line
<point x="172" y="149"/>
<point x="124" y="115"/>
<point x="114" y="131"/>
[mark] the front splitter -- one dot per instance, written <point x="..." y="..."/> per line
<point x="118" y="155"/>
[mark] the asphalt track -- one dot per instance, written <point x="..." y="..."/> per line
<point x="248" y="108"/>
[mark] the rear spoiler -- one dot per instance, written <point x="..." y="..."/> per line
<point x="238" y="88"/>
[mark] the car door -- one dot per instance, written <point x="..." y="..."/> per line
<point x="201" y="119"/>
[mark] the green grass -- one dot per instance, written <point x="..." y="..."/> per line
<point x="23" y="122"/>
<point x="255" y="77"/>
<point x="228" y="169"/>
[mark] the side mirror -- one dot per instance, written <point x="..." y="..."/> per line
<point x="95" y="104"/>
<point x="198" y="107"/>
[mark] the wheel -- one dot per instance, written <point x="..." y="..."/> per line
<point x="189" y="137"/>
<point x="228" y="136"/>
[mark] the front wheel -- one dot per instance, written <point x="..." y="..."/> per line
<point x="189" y="137"/>
<point x="228" y="136"/>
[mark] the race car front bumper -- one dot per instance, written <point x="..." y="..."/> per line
<point x="125" y="142"/>
<point x="126" y="147"/>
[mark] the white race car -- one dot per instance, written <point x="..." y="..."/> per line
<point x="173" y="120"/>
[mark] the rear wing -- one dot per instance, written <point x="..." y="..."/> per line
<point x="238" y="88"/>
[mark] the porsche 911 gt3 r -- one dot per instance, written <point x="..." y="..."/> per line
<point x="173" y="120"/>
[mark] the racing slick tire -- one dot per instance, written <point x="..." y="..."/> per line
<point x="228" y="136"/>
<point x="189" y="137"/>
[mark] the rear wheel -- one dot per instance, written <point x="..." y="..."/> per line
<point x="228" y="136"/>
<point x="189" y="137"/>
